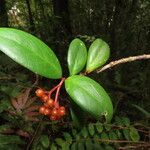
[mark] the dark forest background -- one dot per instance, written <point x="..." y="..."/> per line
<point x="123" y="24"/>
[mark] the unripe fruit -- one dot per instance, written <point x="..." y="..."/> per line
<point x="39" y="92"/>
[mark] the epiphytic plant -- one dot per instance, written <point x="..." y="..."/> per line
<point x="86" y="94"/>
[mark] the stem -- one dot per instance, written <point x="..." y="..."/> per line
<point x="123" y="60"/>
<point x="52" y="90"/>
<point x="57" y="92"/>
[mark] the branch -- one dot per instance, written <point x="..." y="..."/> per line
<point x="122" y="61"/>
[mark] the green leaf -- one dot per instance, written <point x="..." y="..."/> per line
<point x="91" y="129"/>
<point x="104" y="136"/>
<point x="45" y="141"/>
<point x="89" y="96"/>
<point x="108" y="147"/>
<point x="107" y="127"/>
<point x="98" y="55"/>
<point x="5" y="105"/>
<point x="77" y="56"/>
<point x="67" y="137"/>
<point x="30" y="52"/>
<point x="88" y="144"/>
<point x="113" y="135"/>
<point x="4" y="127"/>
<point x="74" y="146"/>
<point x="126" y="134"/>
<point x="118" y="121"/>
<point x="134" y="134"/>
<point x="9" y="139"/>
<point x="84" y="132"/>
<point x="81" y="146"/>
<point x="99" y="127"/>
<point x="59" y="141"/>
<point x="125" y="121"/>
<point x="119" y="134"/>
<point x="53" y="147"/>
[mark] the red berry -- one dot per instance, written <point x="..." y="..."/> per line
<point x="53" y="117"/>
<point x="54" y="112"/>
<point x="62" y="111"/>
<point x="62" y="108"/>
<point x="49" y="103"/>
<point x="44" y="98"/>
<point x="39" y="92"/>
<point x="42" y="110"/>
<point x="47" y="111"/>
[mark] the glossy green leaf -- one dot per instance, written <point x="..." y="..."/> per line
<point x="77" y="56"/>
<point x="89" y="96"/>
<point x="30" y="52"/>
<point x="134" y="134"/>
<point x="98" y="54"/>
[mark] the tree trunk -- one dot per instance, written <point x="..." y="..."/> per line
<point x="61" y="10"/>
<point x="3" y="14"/>
<point x="32" y="25"/>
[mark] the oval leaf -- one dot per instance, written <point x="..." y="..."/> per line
<point x="30" y="52"/>
<point x="98" y="55"/>
<point x="45" y="141"/>
<point x="134" y="134"/>
<point x="89" y="96"/>
<point x="77" y="56"/>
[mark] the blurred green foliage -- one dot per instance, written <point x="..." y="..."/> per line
<point x="124" y="24"/>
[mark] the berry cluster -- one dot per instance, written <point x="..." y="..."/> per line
<point x="50" y="108"/>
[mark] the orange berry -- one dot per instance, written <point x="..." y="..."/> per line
<point x="49" y="103"/>
<point x="39" y="92"/>
<point x="42" y="110"/>
<point x="62" y="111"/>
<point x="55" y="112"/>
<point x="47" y="111"/>
<point x="44" y="98"/>
<point x="53" y="117"/>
